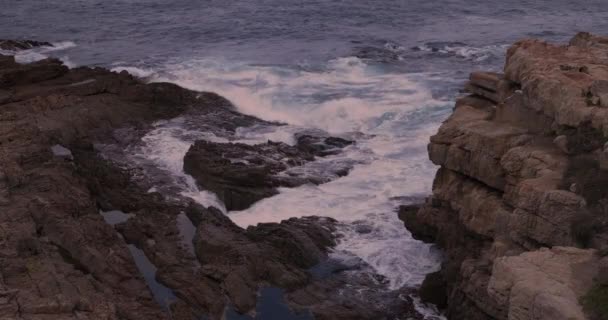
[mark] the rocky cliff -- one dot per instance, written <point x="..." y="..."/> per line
<point x="520" y="202"/>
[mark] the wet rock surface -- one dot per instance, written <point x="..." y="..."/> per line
<point x="241" y="174"/>
<point x="521" y="171"/>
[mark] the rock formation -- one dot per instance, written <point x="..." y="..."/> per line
<point x="241" y="174"/>
<point x="520" y="202"/>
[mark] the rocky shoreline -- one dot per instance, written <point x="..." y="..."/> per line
<point x="85" y="236"/>
<point x="519" y="201"/>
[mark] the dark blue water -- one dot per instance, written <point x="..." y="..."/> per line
<point x="270" y="306"/>
<point x="286" y="31"/>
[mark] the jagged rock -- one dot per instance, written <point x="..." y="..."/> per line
<point x="241" y="174"/>
<point x="275" y="253"/>
<point x="487" y="80"/>
<point x="482" y="92"/>
<point x="319" y="145"/>
<point x="420" y="231"/>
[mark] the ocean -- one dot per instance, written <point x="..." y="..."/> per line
<point x="384" y="73"/>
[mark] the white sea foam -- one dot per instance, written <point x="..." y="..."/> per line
<point x="39" y="53"/>
<point x="428" y="312"/>
<point x="390" y="160"/>
<point x="165" y="146"/>
<point x="365" y="197"/>
<point x="137" y="72"/>
<point x="348" y="96"/>
<point x="390" y="115"/>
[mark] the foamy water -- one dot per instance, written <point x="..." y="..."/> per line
<point x="164" y="147"/>
<point x="41" y="53"/>
<point x="391" y="116"/>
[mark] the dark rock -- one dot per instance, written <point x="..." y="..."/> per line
<point x="319" y="145"/>
<point x="274" y="253"/>
<point x="433" y="290"/>
<point x="377" y="54"/>
<point x="420" y="230"/>
<point x="354" y="294"/>
<point x="241" y="174"/>
<point x="21" y="74"/>
<point x="16" y="45"/>
<point x="303" y="241"/>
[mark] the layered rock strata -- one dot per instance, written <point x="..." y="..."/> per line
<point x="521" y="197"/>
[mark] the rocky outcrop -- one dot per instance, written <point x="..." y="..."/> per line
<point x="16" y="45"/>
<point x="519" y="203"/>
<point x="241" y="174"/>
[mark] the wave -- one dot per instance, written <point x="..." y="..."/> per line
<point x="41" y="53"/>
<point x="390" y="115"/>
<point x="135" y="71"/>
<point x="347" y="95"/>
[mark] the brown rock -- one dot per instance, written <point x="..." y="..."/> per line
<point x="525" y="174"/>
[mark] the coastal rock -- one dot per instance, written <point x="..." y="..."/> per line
<point x="16" y="45"/>
<point x="319" y="144"/>
<point x="521" y="171"/>
<point x="543" y="284"/>
<point x="241" y="174"/>
<point x="19" y="74"/>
